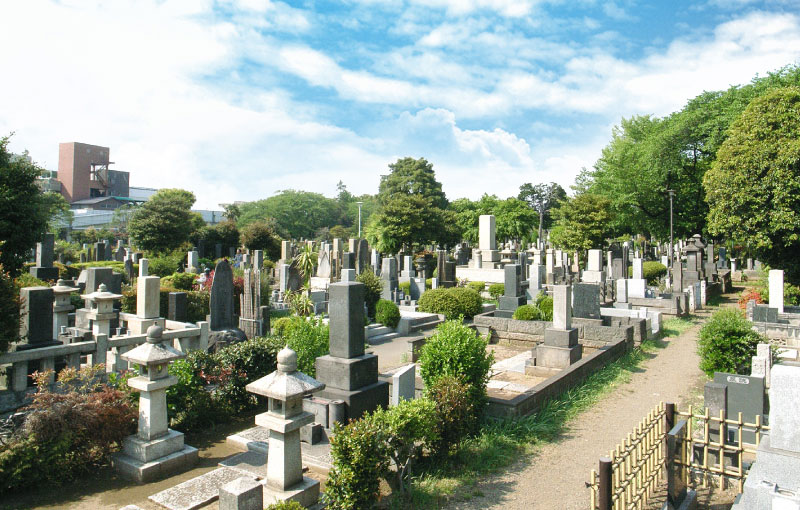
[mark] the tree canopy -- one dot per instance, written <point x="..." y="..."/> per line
<point x="411" y="176"/>
<point x="581" y="222"/>
<point x="165" y="221"/>
<point x="542" y="198"/>
<point x="753" y="188"/>
<point x="647" y="156"/>
<point x="514" y="219"/>
<point x="24" y="210"/>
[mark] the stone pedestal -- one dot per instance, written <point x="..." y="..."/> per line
<point x="349" y="374"/>
<point x="560" y="348"/>
<point x="155" y="450"/>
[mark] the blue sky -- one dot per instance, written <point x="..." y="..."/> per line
<point x="237" y="99"/>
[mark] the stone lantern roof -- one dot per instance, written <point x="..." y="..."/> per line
<point x="101" y="294"/>
<point x="62" y="288"/>
<point x="153" y="352"/>
<point x="286" y="383"/>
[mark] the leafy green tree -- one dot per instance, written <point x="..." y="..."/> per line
<point x="122" y="218"/>
<point x="513" y="218"/>
<point x="164" y="222"/>
<point x="542" y="198"/>
<point x="299" y="213"/>
<point x="408" y="220"/>
<point x="56" y="210"/>
<point x="753" y="189"/>
<point x="261" y="235"/>
<point x="9" y="310"/>
<point x="411" y="176"/>
<point x="23" y="215"/>
<point x="232" y="212"/>
<point x="582" y="222"/>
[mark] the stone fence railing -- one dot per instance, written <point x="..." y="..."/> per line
<point x="101" y="349"/>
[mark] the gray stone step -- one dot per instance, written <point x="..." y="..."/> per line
<point x="375" y="330"/>
<point x="198" y="491"/>
<point x="380" y="339"/>
<point x="256" y="439"/>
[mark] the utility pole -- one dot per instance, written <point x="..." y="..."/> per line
<point x="359" y="219"/>
<point x="671" y="248"/>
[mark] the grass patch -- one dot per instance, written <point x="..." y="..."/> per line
<point x="501" y="442"/>
<point x="676" y="326"/>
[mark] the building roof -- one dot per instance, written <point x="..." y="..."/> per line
<point x="96" y="200"/>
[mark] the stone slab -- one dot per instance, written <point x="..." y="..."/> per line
<point x="144" y="472"/>
<point x="196" y="492"/>
<point x="306" y="493"/>
<point x="557" y="357"/>
<point x="745" y="394"/>
<point x="360" y="401"/>
<point x="347" y="374"/>
<point x="251" y="463"/>
<point x="560" y="337"/>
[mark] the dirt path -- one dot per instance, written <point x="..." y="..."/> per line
<point x="554" y="476"/>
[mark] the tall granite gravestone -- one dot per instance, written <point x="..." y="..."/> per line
<point x="513" y="296"/>
<point x="776" y="289"/>
<point x="560" y="348"/>
<point x="586" y="300"/>
<point x="677" y="275"/>
<point x="222" y="321"/>
<point x="536" y="281"/>
<point x="774" y="478"/>
<point x="36" y="313"/>
<point x="349" y="374"/>
<point x="44" y="269"/>
<point x="389" y="278"/>
<point x="679" y="495"/>
<point x="594" y="268"/>
<point x="362" y="256"/>
<point x="486" y="241"/>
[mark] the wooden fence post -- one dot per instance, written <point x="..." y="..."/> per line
<point x="604" y="491"/>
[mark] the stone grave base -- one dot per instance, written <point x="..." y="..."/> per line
<point x="689" y="502"/>
<point x="359" y="401"/>
<point x="143" y="472"/>
<point x="306" y="493"/>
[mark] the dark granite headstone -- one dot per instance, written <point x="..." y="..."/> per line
<point x="36" y="314"/>
<point x="178" y="309"/>
<point x="109" y="251"/>
<point x="348" y="260"/>
<point x="45" y="250"/>
<point x="389" y="278"/>
<point x="586" y="300"/>
<point x="99" y="251"/>
<point x="362" y="256"/>
<point x="222" y="295"/>
<point x="745" y="394"/>
<point x="676" y="481"/>
<point x="97" y="275"/>
<point x="217" y="251"/>
<point x="763" y="313"/>
<point x="346" y="319"/>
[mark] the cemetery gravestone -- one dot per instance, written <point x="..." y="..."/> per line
<point x="44" y="269"/>
<point x="745" y="394"/>
<point x="349" y="374"/>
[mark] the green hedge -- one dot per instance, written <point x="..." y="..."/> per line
<point x="373" y="291"/>
<point x="545" y="304"/>
<point x="528" y="313"/>
<point x="652" y="271"/>
<point x="727" y="343"/>
<point x="477" y="286"/>
<point x="387" y="313"/>
<point x="453" y="302"/>
<point x="496" y="290"/>
<point x="197" y="306"/>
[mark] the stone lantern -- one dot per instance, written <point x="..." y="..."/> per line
<point x="101" y="311"/>
<point x="154" y="450"/>
<point x="285" y="389"/>
<point x="62" y="306"/>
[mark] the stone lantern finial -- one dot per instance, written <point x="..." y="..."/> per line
<point x="154" y="334"/>
<point x="287" y="360"/>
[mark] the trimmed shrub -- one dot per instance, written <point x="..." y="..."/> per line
<point x="477" y="286"/>
<point x="360" y="453"/>
<point x="428" y="283"/>
<point x="409" y="427"/>
<point x="405" y="287"/>
<point x="309" y="338"/>
<point x="282" y="325"/>
<point x="727" y="343"/>
<point x="456" y="414"/>
<point x="373" y="291"/>
<point x="242" y="363"/>
<point x="452" y="303"/>
<point x="9" y="310"/>
<point x="528" y="313"/>
<point x="747" y="295"/>
<point x="28" y="280"/>
<point x="387" y="313"/>
<point x="457" y="350"/>
<point x="545" y="305"/>
<point x="653" y="271"/>
<point x="183" y="281"/>
<point x="496" y="290"/>
<point x="164" y="266"/>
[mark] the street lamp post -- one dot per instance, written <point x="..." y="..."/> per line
<point x="671" y="248"/>
<point x="359" y="219"/>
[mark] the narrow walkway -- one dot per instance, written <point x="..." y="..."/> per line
<point x="554" y="477"/>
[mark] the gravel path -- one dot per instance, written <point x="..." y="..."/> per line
<point x="554" y="476"/>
